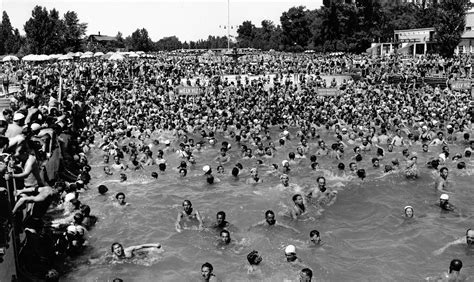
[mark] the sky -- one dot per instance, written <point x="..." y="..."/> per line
<point x="186" y="19"/>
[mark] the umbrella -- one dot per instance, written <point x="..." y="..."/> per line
<point x="98" y="54"/>
<point x="116" y="57"/>
<point x="10" y="58"/>
<point x="65" y="57"/>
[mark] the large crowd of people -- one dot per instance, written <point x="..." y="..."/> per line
<point x="131" y="113"/>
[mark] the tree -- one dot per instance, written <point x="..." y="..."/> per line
<point x="295" y="27"/>
<point x="37" y="30"/>
<point x="246" y="34"/>
<point x="168" y="43"/>
<point x="450" y="25"/>
<point x="74" y="32"/>
<point x="139" y="41"/>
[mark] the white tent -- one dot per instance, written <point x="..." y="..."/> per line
<point x="65" y="57"/>
<point x="78" y="54"/>
<point x="116" y="57"/>
<point x="30" y="57"/>
<point x="85" y="56"/>
<point x="54" y="56"/>
<point x="98" y="54"/>
<point x="133" y="55"/>
<point x="42" y="57"/>
<point x="88" y="53"/>
<point x="9" y="58"/>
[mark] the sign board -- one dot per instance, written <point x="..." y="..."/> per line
<point x="4" y="103"/>
<point x="189" y="91"/>
<point x="327" y="91"/>
<point x="461" y="85"/>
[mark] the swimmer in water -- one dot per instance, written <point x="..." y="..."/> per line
<point x="299" y="206"/>
<point x="254" y="260"/>
<point x="322" y="194"/>
<point x="254" y="179"/>
<point x="444" y="203"/>
<point x="120" y="196"/>
<point x="315" y="238"/>
<point x="285" y="184"/>
<point x="441" y="183"/>
<point x="454" y="273"/>
<point x="409" y="212"/>
<point x="305" y="275"/>
<point x="224" y="238"/>
<point x="271" y="221"/>
<point x="187" y="214"/>
<point x="119" y="252"/>
<point x="468" y="240"/>
<point x="221" y="223"/>
<point x="411" y="170"/>
<point x="207" y="272"/>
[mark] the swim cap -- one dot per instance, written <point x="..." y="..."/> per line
<point x="284" y="175"/>
<point x="444" y="197"/>
<point x="284" y="162"/>
<point x="72" y="229"/>
<point x="455" y="265"/>
<point x="442" y="157"/>
<point x="290" y="249"/>
<point x="167" y="142"/>
<point x="285" y="132"/>
<point x="408" y="207"/>
<point x="206" y="168"/>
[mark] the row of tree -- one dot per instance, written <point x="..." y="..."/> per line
<point x="353" y="27"/>
<point x="333" y="27"/>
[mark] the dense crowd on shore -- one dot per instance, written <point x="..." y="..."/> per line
<point x="130" y="111"/>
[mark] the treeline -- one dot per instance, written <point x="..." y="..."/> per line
<point x="352" y="28"/>
<point x="333" y="27"/>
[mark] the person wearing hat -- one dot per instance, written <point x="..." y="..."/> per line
<point x="408" y="211"/>
<point x="290" y="255"/>
<point x="444" y="203"/>
<point x="15" y="128"/>
<point x="255" y="178"/>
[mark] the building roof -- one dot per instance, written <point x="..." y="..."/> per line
<point x="468" y="34"/>
<point x="102" y="37"/>
<point x="415" y="29"/>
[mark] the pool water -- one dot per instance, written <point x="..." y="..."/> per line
<point x="366" y="237"/>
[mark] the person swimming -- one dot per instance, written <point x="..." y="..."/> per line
<point x="119" y="252"/>
<point x="221" y="221"/>
<point x="207" y="272"/>
<point x="409" y="212"/>
<point x="254" y="260"/>
<point x="299" y="206"/>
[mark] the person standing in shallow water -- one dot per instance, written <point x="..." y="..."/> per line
<point x="188" y="214"/>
